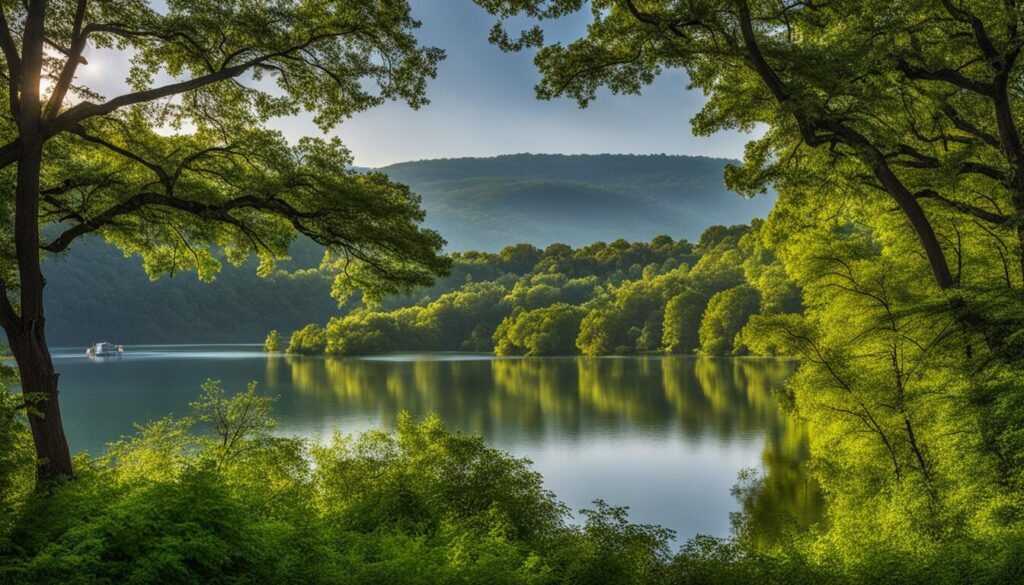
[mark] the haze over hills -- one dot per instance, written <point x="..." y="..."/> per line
<point x="95" y="293"/>
<point x="573" y="199"/>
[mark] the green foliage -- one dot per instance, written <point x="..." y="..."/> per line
<point x="906" y="392"/>
<point x="466" y="317"/>
<point x="186" y="531"/>
<point x="726" y="314"/>
<point x="520" y="257"/>
<point x="682" y="321"/>
<point x="273" y="342"/>
<point x="551" y="330"/>
<point x="891" y="140"/>
<point x="420" y="505"/>
<point x="629" y="318"/>
<point x="366" y="331"/>
<point x="462" y="319"/>
<point x="605" y="298"/>
<point x="310" y="339"/>
<point x="234" y="422"/>
<point x="613" y="550"/>
<point x="765" y="272"/>
<point x="17" y="459"/>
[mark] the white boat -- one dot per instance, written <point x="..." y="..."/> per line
<point x="104" y="349"/>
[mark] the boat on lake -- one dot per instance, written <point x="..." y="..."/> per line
<point x="104" y="349"/>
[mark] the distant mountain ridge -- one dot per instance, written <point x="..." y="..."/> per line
<point x="573" y="199"/>
<point x="94" y="293"/>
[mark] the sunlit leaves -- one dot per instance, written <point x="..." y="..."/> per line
<point x="179" y="197"/>
<point x="551" y="330"/>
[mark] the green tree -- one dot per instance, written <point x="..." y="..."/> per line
<point x="651" y="334"/>
<point x="367" y="331"/>
<point x="550" y="330"/>
<point x="843" y="89"/>
<point x="630" y="318"/>
<point x="273" y="342"/>
<point x="96" y="165"/>
<point x="765" y="272"/>
<point x="626" y="308"/>
<point x="311" y="339"/>
<point x="235" y="422"/>
<point x="456" y="315"/>
<point x="725" y="315"/>
<point x="682" y="321"/>
<point x="601" y="333"/>
<point x="520" y="258"/>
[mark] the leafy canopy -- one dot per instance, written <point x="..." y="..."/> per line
<point x="906" y="101"/>
<point x="182" y="165"/>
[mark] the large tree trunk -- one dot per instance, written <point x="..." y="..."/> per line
<point x="39" y="378"/>
<point x="26" y="333"/>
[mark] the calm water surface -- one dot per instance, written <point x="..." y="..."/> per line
<point x="666" y="436"/>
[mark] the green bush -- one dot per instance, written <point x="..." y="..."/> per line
<point x="239" y="505"/>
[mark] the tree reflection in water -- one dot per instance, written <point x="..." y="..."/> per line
<point x="526" y="400"/>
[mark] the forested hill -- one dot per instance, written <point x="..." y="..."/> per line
<point x="488" y="203"/>
<point x="95" y="293"/>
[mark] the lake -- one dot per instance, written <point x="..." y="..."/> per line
<point x="667" y="436"/>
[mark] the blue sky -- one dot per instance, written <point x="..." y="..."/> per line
<point x="482" y="104"/>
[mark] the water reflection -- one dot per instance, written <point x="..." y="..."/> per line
<point x="667" y="435"/>
<point x="534" y="397"/>
<point x="542" y="400"/>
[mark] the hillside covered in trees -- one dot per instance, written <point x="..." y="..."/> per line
<point x="575" y="200"/>
<point x="605" y="298"/>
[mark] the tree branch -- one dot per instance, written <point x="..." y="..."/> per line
<point x="961" y="124"/>
<point x="950" y="76"/>
<point x="13" y="62"/>
<point x="86" y="110"/>
<point x="764" y="70"/>
<point x="157" y="169"/>
<point x="991" y="217"/>
<point x="10" y="153"/>
<point x="988" y="49"/>
<point x="218" y="212"/>
<point x="74" y="53"/>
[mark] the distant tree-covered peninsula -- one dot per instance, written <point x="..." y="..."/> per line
<point x="606" y="298"/>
